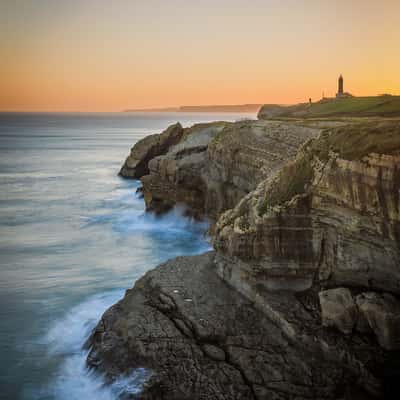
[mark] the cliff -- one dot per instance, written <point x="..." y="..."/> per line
<point x="214" y="165"/>
<point x="360" y="107"/>
<point x="330" y="217"/>
<point x="300" y="299"/>
<point x="136" y="164"/>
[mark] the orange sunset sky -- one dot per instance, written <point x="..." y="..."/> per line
<point x="87" y="55"/>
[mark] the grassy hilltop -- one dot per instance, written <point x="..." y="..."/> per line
<point x="371" y="106"/>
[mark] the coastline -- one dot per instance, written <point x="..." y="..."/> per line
<point x="277" y="255"/>
<point x="241" y="108"/>
<point x="68" y="223"/>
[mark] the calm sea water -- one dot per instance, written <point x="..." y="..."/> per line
<point x="73" y="237"/>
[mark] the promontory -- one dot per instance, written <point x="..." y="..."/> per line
<point x="300" y="297"/>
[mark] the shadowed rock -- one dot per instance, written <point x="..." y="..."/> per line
<point x="382" y="312"/>
<point x="201" y="339"/>
<point x="338" y="309"/>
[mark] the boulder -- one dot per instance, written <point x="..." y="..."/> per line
<point x="338" y="309"/>
<point x="382" y="312"/>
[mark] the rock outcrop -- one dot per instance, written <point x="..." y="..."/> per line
<point x="216" y="164"/>
<point x="382" y="313"/>
<point x="176" y="177"/>
<point x="271" y="111"/>
<point x="200" y="339"/>
<point x="366" y="312"/>
<point x="331" y="217"/>
<point x="338" y="309"/>
<point x="136" y="165"/>
<point x="328" y="219"/>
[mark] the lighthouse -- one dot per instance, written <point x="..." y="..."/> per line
<point x="341" y="93"/>
<point x="340" y="86"/>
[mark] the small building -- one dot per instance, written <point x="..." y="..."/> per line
<point x="341" y="93"/>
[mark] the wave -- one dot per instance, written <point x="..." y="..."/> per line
<point x="121" y="212"/>
<point x="124" y="210"/>
<point x="64" y="340"/>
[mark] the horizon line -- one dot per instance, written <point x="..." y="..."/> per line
<point x="172" y="108"/>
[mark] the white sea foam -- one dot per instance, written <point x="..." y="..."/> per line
<point x="65" y="340"/>
<point x="173" y="221"/>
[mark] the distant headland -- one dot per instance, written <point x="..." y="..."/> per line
<point x="344" y="104"/>
<point x="210" y="108"/>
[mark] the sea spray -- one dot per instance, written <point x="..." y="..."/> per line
<point x="65" y="339"/>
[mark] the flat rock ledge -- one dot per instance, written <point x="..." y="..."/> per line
<point x="201" y="340"/>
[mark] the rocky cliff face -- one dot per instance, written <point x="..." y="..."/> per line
<point x="309" y="255"/>
<point x="176" y="177"/>
<point x="201" y="339"/>
<point x="329" y="216"/>
<point x="136" y="164"/>
<point x="328" y="219"/>
<point x="215" y="165"/>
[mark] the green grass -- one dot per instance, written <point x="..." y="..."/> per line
<point x="355" y="141"/>
<point x="229" y="130"/>
<point x="368" y="106"/>
<point x="381" y="106"/>
<point x="294" y="178"/>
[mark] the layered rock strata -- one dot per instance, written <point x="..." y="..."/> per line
<point x="214" y="165"/>
<point x="136" y="164"/>
<point x="201" y="339"/>
<point x="176" y="177"/>
<point x="330" y="218"/>
<point x="324" y="217"/>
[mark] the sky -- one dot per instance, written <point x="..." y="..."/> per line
<point x="98" y="55"/>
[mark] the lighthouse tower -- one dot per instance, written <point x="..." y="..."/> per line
<point x="340" y="92"/>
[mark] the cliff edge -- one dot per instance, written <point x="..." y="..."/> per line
<point x="208" y="168"/>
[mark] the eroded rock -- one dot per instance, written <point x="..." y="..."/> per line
<point x="382" y="312"/>
<point x="176" y="177"/>
<point x="330" y="217"/>
<point x="219" y="346"/>
<point x="136" y="165"/>
<point x="217" y="164"/>
<point x="339" y="309"/>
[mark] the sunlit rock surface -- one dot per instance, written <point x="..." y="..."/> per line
<point x="216" y="164"/>
<point x="136" y="164"/>
<point x="330" y="217"/>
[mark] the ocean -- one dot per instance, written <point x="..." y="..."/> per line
<point x="73" y="237"/>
